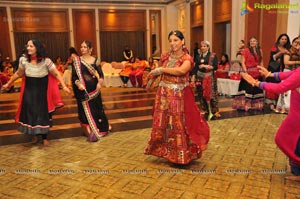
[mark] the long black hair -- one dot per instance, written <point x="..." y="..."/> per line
<point x="40" y="50"/>
<point x="226" y="59"/>
<point x="257" y="49"/>
<point x="288" y="43"/>
<point x="72" y="50"/>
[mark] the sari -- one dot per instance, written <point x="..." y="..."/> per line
<point x="90" y="108"/>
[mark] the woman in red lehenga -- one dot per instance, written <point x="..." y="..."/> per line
<point x="39" y="95"/>
<point x="179" y="132"/>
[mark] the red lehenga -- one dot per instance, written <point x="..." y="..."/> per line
<point x="179" y="132"/>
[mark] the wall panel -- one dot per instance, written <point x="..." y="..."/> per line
<point x="40" y="20"/>
<point x="84" y="28"/>
<point x="222" y="10"/>
<point x="122" y="20"/>
<point x="5" y="47"/>
<point x="197" y="13"/>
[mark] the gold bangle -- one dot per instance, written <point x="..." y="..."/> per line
<point x="269" y="73"/>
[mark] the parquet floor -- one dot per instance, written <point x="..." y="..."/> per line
<point x="242" y="160"/>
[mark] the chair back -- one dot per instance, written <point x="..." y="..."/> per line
<point x="107" y="69"/>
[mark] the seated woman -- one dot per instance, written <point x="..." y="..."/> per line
<point x="59" y="65"/>
<point x="151" y="65"/>
<point x="124" y="74"/>
<point x="223" y="67"/>
<point x="136" y="74"/>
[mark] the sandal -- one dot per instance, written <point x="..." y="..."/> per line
<point x="272" y="107"/>
<point x="217" y="115"/>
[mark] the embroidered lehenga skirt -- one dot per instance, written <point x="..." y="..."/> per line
<point x="171" y="132"/>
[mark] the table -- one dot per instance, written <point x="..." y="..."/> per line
<point x="228" y="86"/>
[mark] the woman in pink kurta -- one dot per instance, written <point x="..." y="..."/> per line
<point x="288" y="134"/>
<point x="179" y="132"/>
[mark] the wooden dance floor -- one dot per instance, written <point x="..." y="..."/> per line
<point x="241" y="161"/>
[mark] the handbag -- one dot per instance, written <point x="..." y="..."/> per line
<point x="274" y="66"/>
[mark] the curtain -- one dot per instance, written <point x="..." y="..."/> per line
<point x="57" y="43"/>
<point x="112" y="44"/>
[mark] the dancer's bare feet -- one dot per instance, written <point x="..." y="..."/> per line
<point x="46" y="142"/>
<point x="86" y="131"/>
<point x="293" y="178"/>
<point x="34" y="140"/>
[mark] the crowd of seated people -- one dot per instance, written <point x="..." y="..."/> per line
<point x="136" y="71"/>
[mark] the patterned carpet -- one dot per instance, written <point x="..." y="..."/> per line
<point x="242" y="161"/>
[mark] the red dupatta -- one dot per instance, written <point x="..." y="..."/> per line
<point x="196" y="126"/>
<point x="53" y="96"/>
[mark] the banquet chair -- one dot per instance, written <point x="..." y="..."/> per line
<point x="111" y="76"/>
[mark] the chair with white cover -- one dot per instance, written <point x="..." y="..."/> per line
<point x="111" y="78"/>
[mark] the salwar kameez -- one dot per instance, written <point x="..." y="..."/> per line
<point x="288" y="135"/>
<point x="39" y="97"/>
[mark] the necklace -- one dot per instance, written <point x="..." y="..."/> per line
<point x="176" y="56"/>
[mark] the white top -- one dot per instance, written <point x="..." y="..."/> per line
<point x="40" y="69"/>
